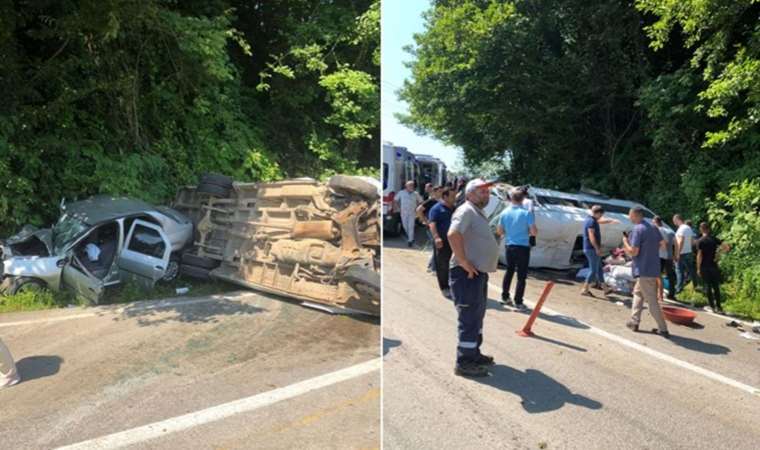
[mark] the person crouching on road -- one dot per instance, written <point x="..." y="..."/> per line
<point x="408" y="199"/>
<point x="439" y="224"/>
<point x="8" y="373"/>
<point x="516" y="226"/>
<point x="475" y="255"/>
<point x="644" y="245"/>
<point x="592" y="248"/>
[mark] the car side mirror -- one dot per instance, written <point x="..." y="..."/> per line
<point x="63" y="261"/>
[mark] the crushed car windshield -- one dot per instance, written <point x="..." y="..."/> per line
<point x="65" y="230"/>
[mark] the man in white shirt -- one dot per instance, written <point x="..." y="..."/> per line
<point x="684" y="255"/>
<point x="407" y="201"/>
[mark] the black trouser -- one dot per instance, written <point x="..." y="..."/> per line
<point x="670" y="272"/>
<point x="470" y="298"/>
<point x="442" y="258"/>
<point x="518" y="257"/>
<point x="711" y="279"/>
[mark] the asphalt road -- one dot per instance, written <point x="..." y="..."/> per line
<point x="584" y="382"/>
<point x="238" y="371"/>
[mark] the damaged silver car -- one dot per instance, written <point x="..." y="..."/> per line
<point x="96" y="243"/>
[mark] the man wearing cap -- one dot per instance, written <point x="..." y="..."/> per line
<point x="516" y="226"/>
<point x="644" y="245"/>
<point x="8" y="374"/>
<point x="408" y="199"/>
<point x="475" y="254"/>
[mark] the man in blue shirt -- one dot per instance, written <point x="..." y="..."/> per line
<point x="644" y="245"/>
<point x="439" y="221"/>
<point x="516" y="226"/>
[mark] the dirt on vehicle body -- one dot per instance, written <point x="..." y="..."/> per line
<point x="311" y="241"/>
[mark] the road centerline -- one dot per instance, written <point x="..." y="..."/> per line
<point x="224" y="410"/>
<point x="651" y="352"/>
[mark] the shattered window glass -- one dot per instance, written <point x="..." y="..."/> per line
<point x="66" y="230"/>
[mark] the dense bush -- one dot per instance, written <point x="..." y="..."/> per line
<point x="736" y="218"/>
<point x="138" y="98"/>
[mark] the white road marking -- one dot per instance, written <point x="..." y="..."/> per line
<point x="51" y="319"/>
<point x="136" y="306"/>
<point x="651" y="352"/>
<point x="219" y="412"/>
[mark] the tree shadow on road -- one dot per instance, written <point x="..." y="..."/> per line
<point x="539" y="392"/>
<point x="187" y="312"/>
<point x="33" y="367"/>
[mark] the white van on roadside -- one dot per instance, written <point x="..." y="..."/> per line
<point x="559" y="219"/>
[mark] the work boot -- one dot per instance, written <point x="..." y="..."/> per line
<point x="470" y="369"/>
<point x="632" y="326"/>
<point x="485" y="360"/>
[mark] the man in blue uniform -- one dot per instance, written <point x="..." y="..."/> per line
<point x="475" y="254"/>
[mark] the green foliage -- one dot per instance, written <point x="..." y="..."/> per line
<point x="725" y="38"/>
<point x="124" y="293"/>
<point x="551" y="83"/>
<point x="137" y="98"/>
<point x="32" y="300"/>
<point x="736" y="218"/>
<point x="132" y="292"/>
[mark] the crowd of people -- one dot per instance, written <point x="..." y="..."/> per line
<point x="466" y="251"/>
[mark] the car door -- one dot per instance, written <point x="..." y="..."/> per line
<point x="145" y="255"/>
<point x="78" y="279"/>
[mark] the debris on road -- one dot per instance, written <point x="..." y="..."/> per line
<point x="311" y="241"/>
<point x="750" y="336"/>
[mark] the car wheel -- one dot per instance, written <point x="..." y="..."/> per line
<point x="219" y="180"/>
<point x="188" y="259"/>
<point x="353" y="186"/>
<point x="363" y="279"/>
<point x="172" y="270"/>
<point x="21" y="285"/>
<point x="213" y="189"/>
<point x="198" y="273"/>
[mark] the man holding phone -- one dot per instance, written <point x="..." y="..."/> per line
<point x="643" y="244"/>
<point x="475" y="254"/>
